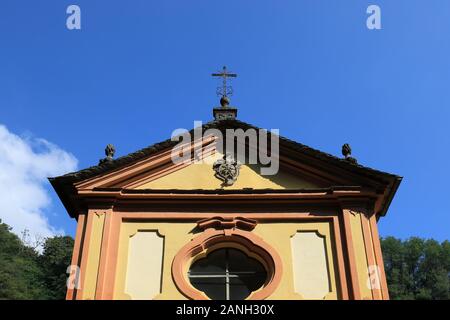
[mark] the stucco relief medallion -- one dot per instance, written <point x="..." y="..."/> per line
<point x="227" y="169"/>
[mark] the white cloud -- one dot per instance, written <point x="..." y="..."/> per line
<point x="25" y="164"/>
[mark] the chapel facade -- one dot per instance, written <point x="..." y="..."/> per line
<point x="214" y="227"/>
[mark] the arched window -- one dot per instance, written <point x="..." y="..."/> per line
<point x="227" y="262"/>
<point x="227" y="274"/>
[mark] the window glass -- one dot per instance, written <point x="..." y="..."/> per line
<point x="227" y="274"/>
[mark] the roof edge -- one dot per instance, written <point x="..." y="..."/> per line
<point x="391" y="195"/>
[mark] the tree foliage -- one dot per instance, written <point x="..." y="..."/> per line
<point x="416" y="268"/>
<point x="54" y="260"/>
<point x="26" y="274"/>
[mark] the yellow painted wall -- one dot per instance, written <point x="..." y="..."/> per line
<point x="144" y="265"/>
<point x="176" y="235"/>
<point x="201" y="176"/>
<point x="278" y="235"/>
<point x="310" y="265"/>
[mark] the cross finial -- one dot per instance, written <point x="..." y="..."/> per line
<point x="225" y="112"/>
<point x="225" y="90"/>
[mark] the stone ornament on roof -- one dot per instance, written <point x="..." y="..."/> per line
<point x="347" y="153"/>
<point x="110" y="150"/>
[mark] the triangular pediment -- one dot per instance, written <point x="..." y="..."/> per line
<point x="160" y="172"/>
<point x="202" y="176"/>
<point x="151" y="168"/>
<point x="297" y="170"/>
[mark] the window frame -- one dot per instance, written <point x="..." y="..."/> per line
<point x="212" y="239"/>
<point x="228" y="274"/>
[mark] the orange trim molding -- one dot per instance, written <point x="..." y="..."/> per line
<point x="354" y="279"/>
<point x="76" y="255"/>
<point x="227" y="223"/>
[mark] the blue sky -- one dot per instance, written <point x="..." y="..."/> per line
<point x="139" y="69"/>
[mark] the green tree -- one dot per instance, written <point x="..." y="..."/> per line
<point x="54" y="261"/>
<point x="20" y="272"/>
<point x="417" y="268"/>
<point x="26" y="274"/>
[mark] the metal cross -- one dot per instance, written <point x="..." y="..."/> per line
<point x="225" y="90"/>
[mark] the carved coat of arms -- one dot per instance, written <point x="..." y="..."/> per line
<point x="227" y="169"/>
